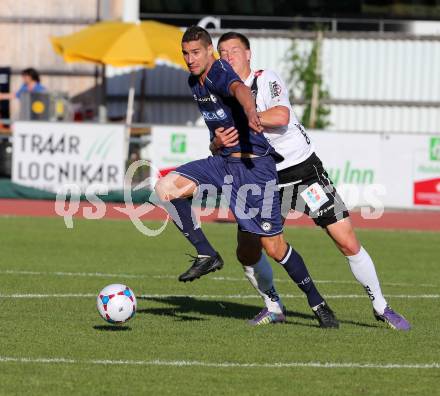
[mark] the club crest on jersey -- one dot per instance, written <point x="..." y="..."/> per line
<point x="266" y="226"/>
<point x="221" y="114"/>
<point x="275" y="89"/>
<point x="314" y="196"/>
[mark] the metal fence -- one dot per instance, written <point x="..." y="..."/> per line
<point x="377" y="81"/>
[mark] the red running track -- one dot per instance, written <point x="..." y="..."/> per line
<point x="408" y="220"/>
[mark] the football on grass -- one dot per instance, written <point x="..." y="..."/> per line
<point x="116" y="303"/>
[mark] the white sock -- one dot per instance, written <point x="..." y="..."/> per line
<point x="364" y="271"/>
<point x="261" y="277"/>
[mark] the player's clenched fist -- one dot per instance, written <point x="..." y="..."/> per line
<point x="253" y="120"/>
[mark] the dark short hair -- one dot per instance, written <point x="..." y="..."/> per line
<point x="234" y="35"/>
<point x="32" y="73"/>
<point x="195" y="33"/>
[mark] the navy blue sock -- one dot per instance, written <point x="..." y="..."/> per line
<point x="297" y="270"/>
<point x="186" y="226"/>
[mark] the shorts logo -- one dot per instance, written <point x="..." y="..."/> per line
<point x="322" y="212"/>
<point x="275" y="89"/>
<point x="314" y="196"/>
<point x="266" y="226"/>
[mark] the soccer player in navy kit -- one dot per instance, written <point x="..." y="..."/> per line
<point x="248" y="166"/>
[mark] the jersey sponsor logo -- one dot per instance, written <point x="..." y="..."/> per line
<point x="204" y="99"/>
<point x="214" y="115"/>
<point x="314" y="196"/>
<point x="266" y="226"/>
<point x="275" y="89"/>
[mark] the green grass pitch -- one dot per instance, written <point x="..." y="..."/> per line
<point x="201" y="344"/>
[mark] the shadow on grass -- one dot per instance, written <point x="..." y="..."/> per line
<point x="182" y="307"/>
<point x="112" y="328"/>
<point x="360" y="324"/>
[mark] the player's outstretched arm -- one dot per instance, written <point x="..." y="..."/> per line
<point x="244" y="96"/>
<point x="277" y="116"/>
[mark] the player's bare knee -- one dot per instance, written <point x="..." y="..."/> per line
<point x="161" y="189"/>
<point x="275" y="249"/>
<point x="275" y="253"/>
<point x="352" y="248"/>
<point x="166" y="189"/>
<point x="349" y="246"/>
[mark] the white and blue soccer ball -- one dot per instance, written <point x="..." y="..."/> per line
<point x="116" y="303"/>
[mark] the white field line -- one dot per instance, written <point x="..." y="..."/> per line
<point x="79" y="274"/>
<point x="214" y="278"/>
<point x="340" y="282"/>
<point x="186" y="363"/>
<point x="217" y="296"/>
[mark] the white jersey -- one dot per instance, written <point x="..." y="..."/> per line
<point x="291" y="141"/>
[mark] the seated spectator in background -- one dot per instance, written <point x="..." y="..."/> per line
<point x="31" y="83"/>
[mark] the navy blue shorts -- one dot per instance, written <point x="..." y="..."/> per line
<point x="252" y="184"/>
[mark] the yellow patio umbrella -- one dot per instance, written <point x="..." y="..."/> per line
<point x="123" y="44"/>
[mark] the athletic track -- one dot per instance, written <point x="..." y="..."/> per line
<point x="396" y="220"/>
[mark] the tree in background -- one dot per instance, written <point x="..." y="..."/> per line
<point x="306" y="84"/>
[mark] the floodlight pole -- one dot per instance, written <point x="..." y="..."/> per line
<point x="131" y="14"/>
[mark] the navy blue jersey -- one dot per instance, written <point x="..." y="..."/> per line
<point x="220" y="109"/>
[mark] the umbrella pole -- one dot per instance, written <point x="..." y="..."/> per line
<point x="142" y="93"/>
<point x="130" y="104"/>
<point x="103" y="96"/>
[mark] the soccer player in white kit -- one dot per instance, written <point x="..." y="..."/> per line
<point x="304" y="184"/>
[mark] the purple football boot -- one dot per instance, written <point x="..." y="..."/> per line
<point x="393" y="319"/>
<point x="265" y="317"/>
